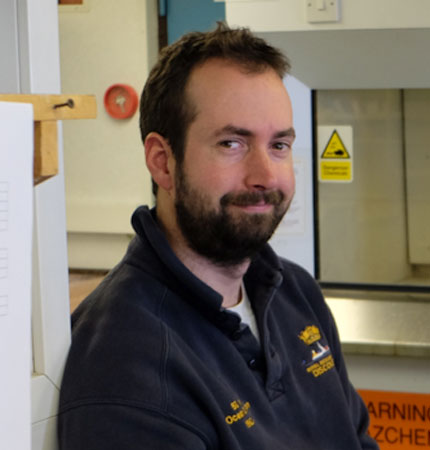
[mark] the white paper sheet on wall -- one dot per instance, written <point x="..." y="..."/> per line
<point x="16" y="215"/>
<point x="294" y="221"/>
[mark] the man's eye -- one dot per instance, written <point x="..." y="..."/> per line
<point x="230" y="144"/>
<point x="281" y="146"/>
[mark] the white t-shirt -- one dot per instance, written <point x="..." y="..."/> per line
<point x="244" y="309"/>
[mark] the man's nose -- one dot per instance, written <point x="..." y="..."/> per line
<point x="260" y="170"/>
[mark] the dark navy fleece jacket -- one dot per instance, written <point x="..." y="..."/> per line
<point x="156" y="363"/>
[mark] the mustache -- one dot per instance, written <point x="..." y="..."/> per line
<point x="275" y="198"/>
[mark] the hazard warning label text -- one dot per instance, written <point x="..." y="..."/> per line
<point x="335" y="171"/>
<point x="398" y="420"/>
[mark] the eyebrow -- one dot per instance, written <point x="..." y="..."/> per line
<point x="286" y="133"/>
<point x="231" y="129"/>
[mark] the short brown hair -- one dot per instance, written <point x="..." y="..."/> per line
<point x="163" y="104"/>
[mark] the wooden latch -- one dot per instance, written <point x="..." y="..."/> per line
<point x="47" y="109"/>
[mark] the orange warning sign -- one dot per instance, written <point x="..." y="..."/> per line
<point x="398" y="421"/>
<point x="335" y="149"/>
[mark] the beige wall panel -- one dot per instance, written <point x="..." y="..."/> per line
<point x="96" y="251"/>
<point x="417" y="138"/>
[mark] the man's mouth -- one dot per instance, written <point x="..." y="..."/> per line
<point x="258" y="201"/>
<point x="256" y="208"/>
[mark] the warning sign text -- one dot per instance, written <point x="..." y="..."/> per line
<point x="398" y="420"/>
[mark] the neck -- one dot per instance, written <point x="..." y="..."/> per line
<point x="226" y="280"/>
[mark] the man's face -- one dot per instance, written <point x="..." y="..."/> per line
<point x="236" y="181"/>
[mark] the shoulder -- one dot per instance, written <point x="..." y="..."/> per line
<point x="296" y="277"/>
<point x="117" y="326"/>
<point x="302" y="292"/>
<point x="294" y="269"/>
<point x="125" y="291"/>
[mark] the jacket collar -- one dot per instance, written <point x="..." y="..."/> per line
<point x="151" y="252"/>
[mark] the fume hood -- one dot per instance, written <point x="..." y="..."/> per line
<point x="363" y="77"/>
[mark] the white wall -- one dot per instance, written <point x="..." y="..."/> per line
<point x="290" y="15"/>
<point x="104" y="43"/>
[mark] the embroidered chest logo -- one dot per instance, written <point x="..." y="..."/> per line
<point x="320" y="360"/>
<point x="240" y="411"/>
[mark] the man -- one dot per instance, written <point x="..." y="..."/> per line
<point x="201" y="337"/>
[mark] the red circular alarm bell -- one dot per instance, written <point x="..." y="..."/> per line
<point x="120" y="101"/>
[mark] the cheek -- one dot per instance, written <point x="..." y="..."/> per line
<point x="215" y="181"/>
<point x="205" y="180"/>
<point x="288" y="181"/>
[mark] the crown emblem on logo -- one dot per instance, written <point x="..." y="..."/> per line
<point x="310" y="335"/>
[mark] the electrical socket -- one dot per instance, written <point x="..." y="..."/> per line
<point x="322" y="11"/>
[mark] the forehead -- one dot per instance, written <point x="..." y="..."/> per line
<point x="224" y="92"/>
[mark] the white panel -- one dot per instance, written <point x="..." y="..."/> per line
<point x="16" y="206"/>
<point x="39" y="73"/>
<point x="30" y="32"/>
<point x="50" y="290"/>
<point x="299" y="245"/>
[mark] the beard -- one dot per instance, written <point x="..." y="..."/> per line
<point x="227" y="238"/>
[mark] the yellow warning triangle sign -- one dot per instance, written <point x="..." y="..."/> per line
<point x="335" y="149"/>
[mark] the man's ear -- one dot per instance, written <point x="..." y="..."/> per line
<point x="160" y="160"/>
